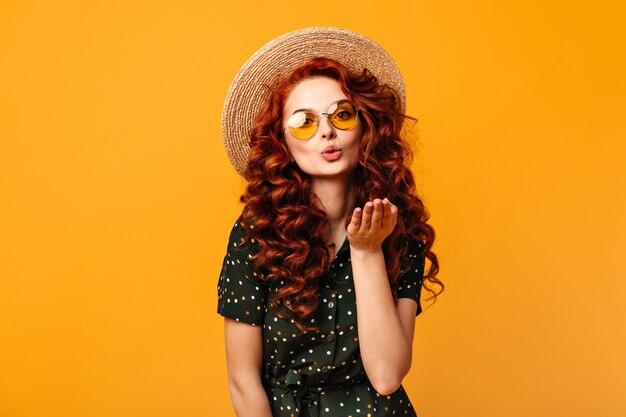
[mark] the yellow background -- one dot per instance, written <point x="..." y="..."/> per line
<point x="117" y="198"/>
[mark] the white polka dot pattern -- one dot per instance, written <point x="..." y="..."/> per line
<point x="320" y="373"/>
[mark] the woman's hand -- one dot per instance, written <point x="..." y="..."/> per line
<point x="370" y="226"/>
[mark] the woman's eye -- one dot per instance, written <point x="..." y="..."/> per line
<point x="300" y="119"/>
<point x="343" y="115"/>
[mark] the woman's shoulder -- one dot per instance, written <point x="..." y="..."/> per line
<point x="415" y="244"/>
<point x="240" y="237"/>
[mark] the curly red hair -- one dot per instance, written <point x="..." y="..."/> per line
<point x="285" y="217"/>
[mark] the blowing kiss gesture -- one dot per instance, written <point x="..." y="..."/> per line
<point x="370" y="226"/>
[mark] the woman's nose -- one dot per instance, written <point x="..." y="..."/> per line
<point x="327" y="130"/>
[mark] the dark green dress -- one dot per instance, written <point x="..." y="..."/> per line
<point x="314" y="373"/>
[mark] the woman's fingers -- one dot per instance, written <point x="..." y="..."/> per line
<point x="370" y="226"/>
<point x="391" y="215"/>
<point x="367" y="217"/>
<point x="377" y="215"/>
<point x="355" y="221"/>
<point x="356" y="216"/>
<point x="386" y="213"/>
<point x="394" y="215"/>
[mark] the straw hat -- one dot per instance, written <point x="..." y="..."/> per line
<point x="277" y="59"/>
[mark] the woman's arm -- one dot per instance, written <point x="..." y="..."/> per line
<point x="385" y="331"/>
<point x="244" y="360"/>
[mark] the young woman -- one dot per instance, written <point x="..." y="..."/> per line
<point x="321" y="282"/>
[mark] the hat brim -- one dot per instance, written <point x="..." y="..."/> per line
<point x="275" y="61"/>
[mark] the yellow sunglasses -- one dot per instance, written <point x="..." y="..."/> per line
<point x="303" y="125"/>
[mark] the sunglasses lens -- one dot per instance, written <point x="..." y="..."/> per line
<point x="344" y="116"/>
<point x="302" y="125"/>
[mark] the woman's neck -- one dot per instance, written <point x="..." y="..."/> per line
<point x="337" y="198"/>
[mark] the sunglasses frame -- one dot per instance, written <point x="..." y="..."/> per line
<point x="317" y="117"/>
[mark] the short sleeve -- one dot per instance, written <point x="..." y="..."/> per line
<point x="241" y="293"/>
<point x="410" y="283"/>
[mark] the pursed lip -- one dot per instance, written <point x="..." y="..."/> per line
<point x="330" y="149"/>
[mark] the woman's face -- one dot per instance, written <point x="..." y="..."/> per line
<point x="315" y="156"/>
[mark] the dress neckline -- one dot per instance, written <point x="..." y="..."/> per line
<point x="344" y="247"/>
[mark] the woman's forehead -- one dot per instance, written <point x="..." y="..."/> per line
<point x="314" y="94"/>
